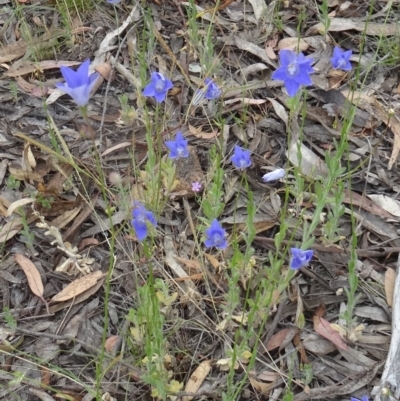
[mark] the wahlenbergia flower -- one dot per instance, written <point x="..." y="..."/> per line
<point x="215" y="236"/>
<point x="213" y="91"/>
<point x="178" y="148"/>
<point x="363" y="398"/>
<point x="274" y="175"/>
<point x="78" y="83"/>
<point x="114" y="1"/>
<point x="241" y="158"/>
<point x="341" y="59"/>
<point x="141" y="220"/>
<point x="294" y="71"/>
<point x="300" y="258"/>
<point x="158" y="87"/>
<point x="210" y="91"/>
<point x="196" y="186"/>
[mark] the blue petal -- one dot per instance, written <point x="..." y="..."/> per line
<point x="93" y="78"/>
<point x="140" y="229"/>
<point x="286" y="57"/>
<point x="337" y="52"/>
<point x="70" y="76"/>
<point x="151" y="218"/>
<point x="222" y="245"/>
<point x="295" y="264"/>
<point x="160" y="97"/>
<point x="82" y="73"/>
<point x="309" y="254"/>
<point x="64" y="88"/>
<point x="347" y="54"/>
<point x="149" y="90"/>
<point x="292" y="87"/>
<point x="280" y="74"/>
<point x="81" y="95"/>
<point x="168" y="84"/>
<point x="208" y="243"/>
<point x="303" y="78"/>
<point x="296" y="252"/>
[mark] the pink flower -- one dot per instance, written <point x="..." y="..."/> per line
<point x="196" y="186"/>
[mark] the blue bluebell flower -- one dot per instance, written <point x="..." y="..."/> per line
<point x="363" y="398"/>
<point x="213" y="91"/>
<point x="78" y="83"/>
<point x="294" y="71"/>
<point x="300" y="258"/>
<point x="274" y="175"/>
<point x="210" y="91"/>
<point x="241" y="158"/>
<point x="158" y="87"/>
<point x="178" y="148"/>
<point x="341" y="59"/>
<point x="114" y="1"/>
<point x="142" y="218"/>
<point x="215" y="236"/>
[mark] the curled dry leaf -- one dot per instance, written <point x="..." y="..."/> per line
<point x="19" y="203"/>
<point x="78" y="287"/>
<point x="324" y="329"/>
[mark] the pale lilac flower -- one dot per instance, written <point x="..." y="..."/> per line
<point x="114" y="1"/>
<point x="274" y="175"/>
<point x="210" y="91"/>
<point x="78" y="83"/>
<point x="141" y="220"/>
<point x="196" y="186"/>
<point x="216" y="236"/>
<point x="363" y="398"/>
<point x="300" y="258"/>
<point x="158" y="87"/>
<point x="178" y="148"/>
<point x="341" y="59"/>
<point x="294" y="71"/>
<point x="241" y="158"/>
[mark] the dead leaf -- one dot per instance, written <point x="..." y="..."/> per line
<point x="324" y="329"/>
<point x="281" y="338"/>
<point x="19" y="203"/>
<point x="244" y="44"/>
<point x="24" y="175"/>
<point x="263" y="388"/>
<point x="196" y="379"/>
<point x="78" y="299"/>
<point x="355" y="199"/>
<point x="30" y="67"/>
<point x="394" y="123"/>
<point x="390" y="279"/>
<point x="356" y="24"/>
<point x="279" y="110"/>
<point x="198" y="133"/>
<point x="270" y="46"/>
<point x="310" y="164"/>
<point x="293" y="44"/>
<point x="32" y="274"/>
<point x="387" y="203"/>
<point x="259" y="8"/>
<point x="112" y="343"/>
<point x="78" y="286"/>
<point x="34" y="90"/>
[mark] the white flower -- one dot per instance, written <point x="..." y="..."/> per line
<point x="274" y="175"/>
